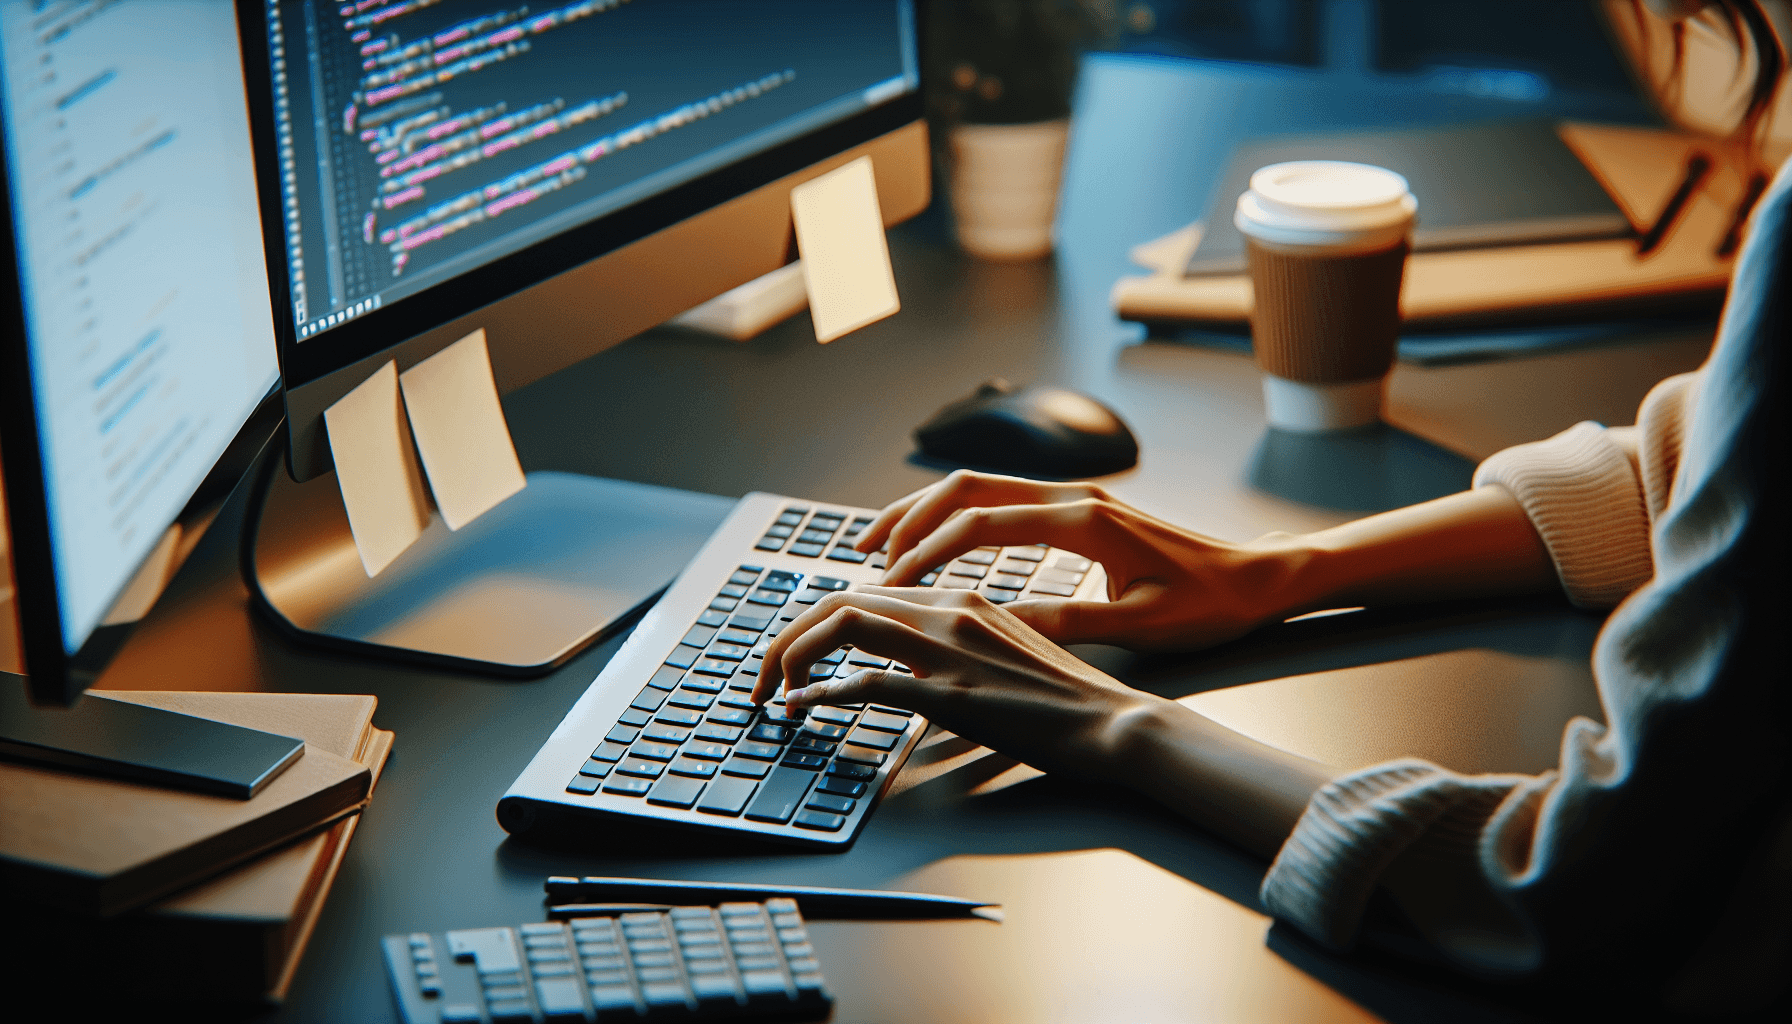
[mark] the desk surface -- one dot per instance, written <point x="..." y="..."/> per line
<point x="1116" y="911"/>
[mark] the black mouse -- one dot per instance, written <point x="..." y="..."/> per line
<point x="1036" y="431"/>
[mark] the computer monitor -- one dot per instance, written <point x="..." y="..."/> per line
<point x="562" y="176"/>
<point x="137" y="365"/>
<point x="138" y="334"/>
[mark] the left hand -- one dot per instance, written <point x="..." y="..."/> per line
<point x="978" y="671"/>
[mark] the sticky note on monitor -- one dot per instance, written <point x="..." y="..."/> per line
<point x="846" y="261"/>
<point x="382" y="485"/>
<point x="461" y="434"/>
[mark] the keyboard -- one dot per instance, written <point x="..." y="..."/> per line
<point x="666" y="733"/>
<point x="738" y="961"/>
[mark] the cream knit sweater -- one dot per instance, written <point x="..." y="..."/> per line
<point x="1661" y="847"/>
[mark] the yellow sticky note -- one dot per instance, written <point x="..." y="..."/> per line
<point x="460" y="429"/>
<point x="382" y="486"/>
<point x="846" y="261"/>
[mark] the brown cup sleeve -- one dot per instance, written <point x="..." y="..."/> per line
<point x="1325" y="319"/>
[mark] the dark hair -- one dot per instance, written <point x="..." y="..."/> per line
<point x="1753" y="32"/>
<point x="1746" y="17"/>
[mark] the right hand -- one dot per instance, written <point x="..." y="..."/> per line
<point x="1168" y="588"/>
<point x="976" y="670"/>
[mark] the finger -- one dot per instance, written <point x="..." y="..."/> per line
<point x="1084" y="622"/>
<point x="869" y="685"/>
<point x="894" y="511"/>
<point x="866" y="631"/>
<point x="1068" y="526"/>
<point x="961" y="490"/>
<point x="958" y="481"/>
<point x="932" y="597"/>
<point x="774" y="665"/>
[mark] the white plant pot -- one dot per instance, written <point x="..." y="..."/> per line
<point x="1005" y="187"/>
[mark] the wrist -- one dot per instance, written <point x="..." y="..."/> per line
<point x="1283" y="574"/>
<point x="1249" y="792"/>
<point x="1134" y="734"/>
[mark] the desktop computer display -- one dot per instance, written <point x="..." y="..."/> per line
<point x="434" y="158"/>
<point x="560" y="178"/>
<point x="139" y="333"/>
<point x="421" y="141"/>
<point x="138" y="364"/>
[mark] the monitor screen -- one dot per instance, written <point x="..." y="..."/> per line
<point x="142" y="284"/>
<point x="559" y="178"/>
<point x="421" y="140"/>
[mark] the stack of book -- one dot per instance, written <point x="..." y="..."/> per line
<point x="118" y="891"/>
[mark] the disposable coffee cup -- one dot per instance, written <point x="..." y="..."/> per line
<point x="1327" y="244"/>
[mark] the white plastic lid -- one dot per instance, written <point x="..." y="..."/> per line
<point x="1326" y="202"/>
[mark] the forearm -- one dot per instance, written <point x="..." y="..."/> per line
<point x="1245" y="791"/>
<point x="1476" y="543"/>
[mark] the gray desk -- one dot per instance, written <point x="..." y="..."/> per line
<point x="1116" y="910"/>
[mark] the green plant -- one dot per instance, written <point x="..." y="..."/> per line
<point x="1007" y="61"/>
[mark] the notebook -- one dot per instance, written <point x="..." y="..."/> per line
<point x="102" y="846"/>
<point x="1507" y="183"/>
<point x="1503" y="287"/>
<point x="236" y="937"/>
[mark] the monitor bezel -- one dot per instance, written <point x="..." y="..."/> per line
<point x="389" y="325"/>
<point x="36" y="604"/>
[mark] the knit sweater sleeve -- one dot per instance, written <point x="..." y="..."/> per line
<point x="1583" y="490"/>
<point x="1414" y="827"/>
<point x="1670" y="810"/>
<point x="1592" y="492"/>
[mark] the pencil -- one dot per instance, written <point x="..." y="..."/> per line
<point x="564" y="893"/>
<point x="1697" y="166"/>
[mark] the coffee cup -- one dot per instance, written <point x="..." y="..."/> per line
<point x="1327" y="244"/>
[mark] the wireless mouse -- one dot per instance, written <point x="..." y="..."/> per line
<point x="1036" y="432"/>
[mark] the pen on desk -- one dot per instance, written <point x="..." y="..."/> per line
<point x="1698" y="165"/>
<point x="1726" y="247"/>
<point x="565" y="893"/>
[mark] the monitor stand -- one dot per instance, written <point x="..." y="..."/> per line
<point x="516" y="592"/>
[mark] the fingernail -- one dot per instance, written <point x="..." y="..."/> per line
<point x="795" y="696"/>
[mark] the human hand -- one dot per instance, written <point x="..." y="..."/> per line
<point x="977" y="670"/>
<point x="910" y="519"/>
<point x="1168" y="588"/>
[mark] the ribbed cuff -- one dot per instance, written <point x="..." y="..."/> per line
<point x="1662" y="423"/>
<point x="1354" y="825"/>
<point x="1581" y="492"/>
<point x="1355" y="829"/>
